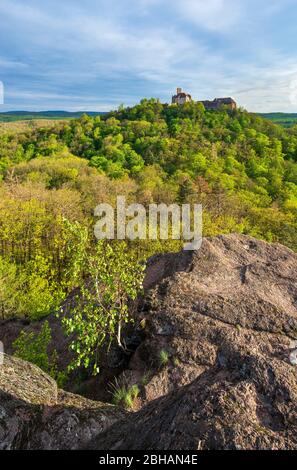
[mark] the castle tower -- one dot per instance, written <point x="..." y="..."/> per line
<point x="181" y="97"/>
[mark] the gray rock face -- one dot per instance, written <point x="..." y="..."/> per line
<point x="226" y="318"/>
<point x="235" y="291"/>
<point x="226" y="315"/>
<point x="35" y="415"/>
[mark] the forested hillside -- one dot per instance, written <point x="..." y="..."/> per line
<point x="241" y="167"/>
<point x="283" y="119"/>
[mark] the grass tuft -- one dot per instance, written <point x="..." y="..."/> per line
<point x="123" y="396"/>
<point x="163" y="358"/>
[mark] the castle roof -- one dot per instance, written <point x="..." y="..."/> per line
<point x="224" y="100"/>
<point x="182" y="94"/>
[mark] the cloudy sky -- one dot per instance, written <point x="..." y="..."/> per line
<point x="98" y="54"/>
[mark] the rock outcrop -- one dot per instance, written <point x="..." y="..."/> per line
<point x="216" y="369"/>
<point x="226" y="316"/>
<point x="34" y="414"/>
<point x="235" y="293"/>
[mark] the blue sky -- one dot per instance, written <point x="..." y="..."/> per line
<point x="98" y="54"/>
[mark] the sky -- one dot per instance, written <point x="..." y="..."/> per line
<point x="95" y="55"/>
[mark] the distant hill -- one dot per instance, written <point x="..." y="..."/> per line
<point x="12" y="116"/>
<point x="24" y="125"/>
<point x="283" y="119"/>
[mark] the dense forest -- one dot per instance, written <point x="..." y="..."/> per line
<point x="242" y="168"/>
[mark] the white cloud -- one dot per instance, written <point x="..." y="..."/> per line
<point x="11" y="64"/>
<point x="21" y="11"/>
<point x="215" y="15"/>
<point x="222" y="52"/>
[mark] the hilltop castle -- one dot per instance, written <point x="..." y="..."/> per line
<point x="182" y="97"/>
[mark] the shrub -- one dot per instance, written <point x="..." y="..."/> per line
<point x="33" y="347"/>
<point x="101" y="310"/>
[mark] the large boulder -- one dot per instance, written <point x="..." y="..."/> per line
<point x="34" y="414"/>
<point x="234" y="294"/>
<point x="220" y="410"/>
<point x="221" y="330"/>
